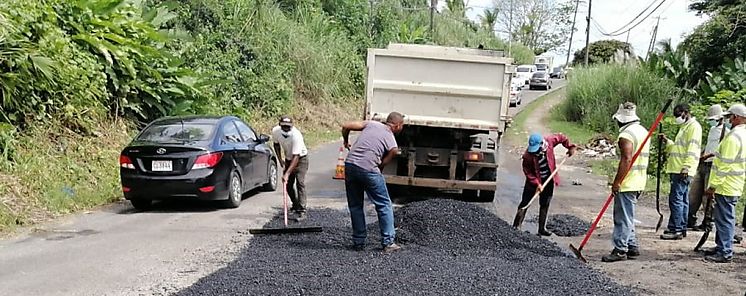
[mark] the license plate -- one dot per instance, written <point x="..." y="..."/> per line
<point x="162" y="166"/>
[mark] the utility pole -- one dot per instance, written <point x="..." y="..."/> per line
<point x="627" y="40"/>
<point x="510" y="30"/>
<point x="655" y="36"/>
<point x="370" y="20"/>
<point x="572" y="32"/>
<point x="587" y="31"/>
<point x="433" y="5"/>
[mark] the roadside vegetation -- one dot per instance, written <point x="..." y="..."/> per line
<point x="79" y="78"/>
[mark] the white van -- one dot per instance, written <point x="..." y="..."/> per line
<point x="524" y="72"/>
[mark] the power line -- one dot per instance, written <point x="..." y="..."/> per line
<point x="637" y="16"/>
<point x="638" y="23"/>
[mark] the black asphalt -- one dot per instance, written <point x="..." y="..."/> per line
<point x="448" y="248"/>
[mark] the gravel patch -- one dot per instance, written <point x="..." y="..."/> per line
<point x="567" y="225"/>
<point x="448" y="248"/>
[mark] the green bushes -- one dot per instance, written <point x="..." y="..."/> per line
<point x="594" y="94"/>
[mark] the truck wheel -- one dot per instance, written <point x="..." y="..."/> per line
<point x="469" y="195"/>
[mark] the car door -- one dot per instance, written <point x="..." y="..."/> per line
<point x="258" y="161"/>
<point x="240" y="151"/>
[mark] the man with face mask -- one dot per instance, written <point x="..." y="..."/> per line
<point x="295" y="164"/>
<point x="715" y="121"/>
<point x="682" y="164"/>
<point x="627" y="189"/>
<point x="727" y="180"/>
<point x="538" y="164"/>
<point x="375" y="147"/>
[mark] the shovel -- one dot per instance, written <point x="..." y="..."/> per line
<point x="285" y="229"/>
<point x="706" y="223"/>
<point x="579" y="250"/>
<point x="658" y="179"/>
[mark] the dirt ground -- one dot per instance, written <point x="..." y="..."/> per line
<point x="664" y="267"/>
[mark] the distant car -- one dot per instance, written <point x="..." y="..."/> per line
<point x="196" y="157"/>
<point x="524" y="72"/>
<point x="567" y="72"/>
<point x="516" y="96"/>
<point x="557" y="72"/>
<point x="540" y="80"/>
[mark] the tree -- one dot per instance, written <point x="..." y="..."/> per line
<point x="721" y="38"/>
<point x="456" y="7"/>
<point x="489" y="18"/>
<point x="603" y="51"/>
<point x="542" y="25"/>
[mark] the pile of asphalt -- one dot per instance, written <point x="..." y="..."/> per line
<point x="567" y="225"/>
<point x="448" y="248"/>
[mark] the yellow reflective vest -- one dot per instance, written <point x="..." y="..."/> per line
<point x="729" y="166"/>
<point x="638" y="176"/>
<point x="685" y="150"/>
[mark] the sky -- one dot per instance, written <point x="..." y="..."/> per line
<point x="675" y="22"/>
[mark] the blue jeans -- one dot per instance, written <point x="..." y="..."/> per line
<point x="724" y="215"/>
<point x="624" y="236"/>
<point x="678" y="202"/>
<point x="358" y="182"/>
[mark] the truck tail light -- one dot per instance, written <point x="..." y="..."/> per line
<point x="126" y="162"/>
<point x="207" y="160"/>
<point x="474" y="156"/>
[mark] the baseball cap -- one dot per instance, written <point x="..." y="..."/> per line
<point x="535" y="141"/>
<point x="286" y="121"/>
<point x="736" y="109"/>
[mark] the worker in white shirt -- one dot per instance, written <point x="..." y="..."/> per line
<point x="696" y="195"/>
<point x="295" y="166"/>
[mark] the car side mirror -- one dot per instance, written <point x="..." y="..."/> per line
<point x="263" y="138"/>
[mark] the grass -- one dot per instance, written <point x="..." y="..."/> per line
<point x="519" y="121"/>
<point x="577" y="132"/>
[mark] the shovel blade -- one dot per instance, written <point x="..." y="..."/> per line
<point x="660" y="221"/>
<point x="578" y="253"/>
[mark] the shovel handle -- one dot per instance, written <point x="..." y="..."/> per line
<point x="285" y="200"/>
<point x="549" y="179"/>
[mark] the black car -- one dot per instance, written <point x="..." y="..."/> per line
<point x="206" y="158"/>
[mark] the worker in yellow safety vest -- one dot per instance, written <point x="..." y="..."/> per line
<point x="683" y="160"/>
<point x="627" y="189"/>
<point x="727" y="179"/>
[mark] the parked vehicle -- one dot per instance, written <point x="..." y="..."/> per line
<point x="540" y="80"/>
<point x="196" y="157"/>
<point x="544" y="63"/>
<point x="455" y="106"/>
<point x="557" y="73"/>
<point x="524" y="72"/>
<point x="516" y="96"/>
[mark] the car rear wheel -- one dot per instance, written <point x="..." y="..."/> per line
<point x="142" y="204"/>
<point x="271" y="184"/>
<point x="234" y="191"/>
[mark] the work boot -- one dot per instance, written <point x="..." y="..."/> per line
<point x="393" y="247"/>
<point x="358" y="247"/>
<point x="519" y="215"/>
<point x="300" y="216"/>
<point x="673" y="236"/>
<point x="543" y="212"/>
<point x="718" y="258"/>
<point x="616" y="255"/>
<point x="633" y="253"/>
<point x="737" y="239"/>
<point x="709" y="251"/>
<point x="703" y="227"/>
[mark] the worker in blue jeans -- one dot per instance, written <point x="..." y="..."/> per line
<point x="375" y="147"/>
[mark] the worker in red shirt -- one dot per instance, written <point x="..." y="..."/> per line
<point x="538" y="165"/>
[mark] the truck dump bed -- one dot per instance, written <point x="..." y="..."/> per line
<point x="439" y="86"/>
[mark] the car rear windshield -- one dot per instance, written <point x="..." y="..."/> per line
<point x="539" y="75"/>
<point x="523" y="69"/>
<point x="541" y="67"/>
<point x="177" y="133"/>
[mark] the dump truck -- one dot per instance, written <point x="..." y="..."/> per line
<point x="455" y="103"/>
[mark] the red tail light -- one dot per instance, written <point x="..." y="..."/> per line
<point x="126" y="162"/>
<point x="207" y="189"/>
<point x="126" y="189"/>
<point x="207" y="161"/>
<point x="474" y="156"/>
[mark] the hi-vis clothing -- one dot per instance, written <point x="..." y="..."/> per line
<point x="729" y="167"/>
<point x="638" y="176"/>
<point x="684" y="152"/>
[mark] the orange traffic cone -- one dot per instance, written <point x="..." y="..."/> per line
<point x="339" y="173"/>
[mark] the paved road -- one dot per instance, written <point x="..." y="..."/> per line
<point x="117" y="251"/>
<point x="531" y="95"/>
